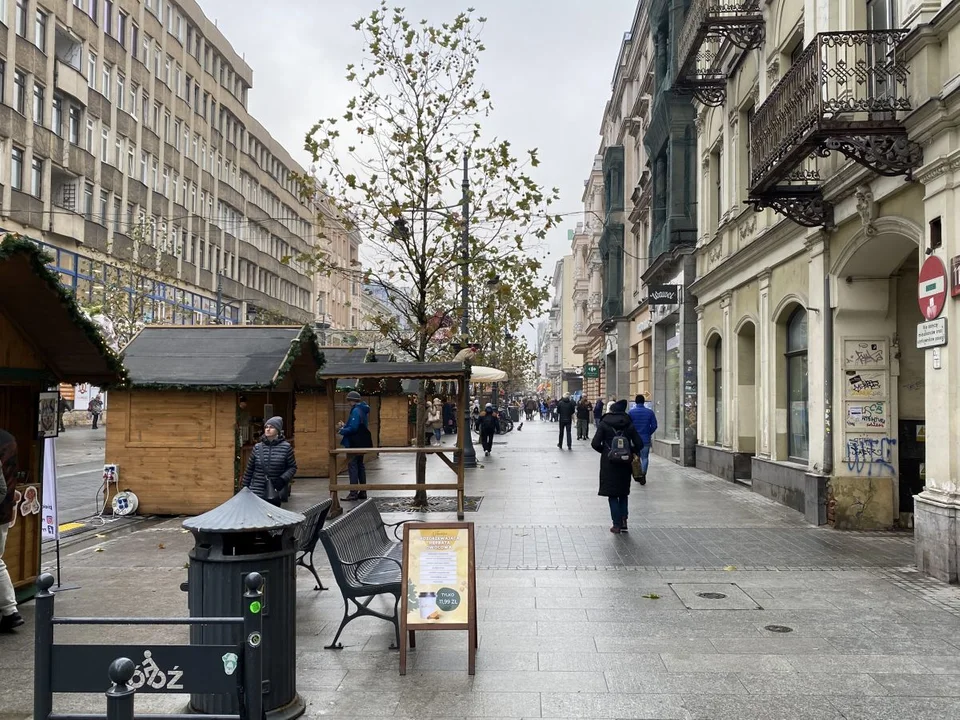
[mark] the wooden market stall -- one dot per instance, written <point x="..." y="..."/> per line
<point x="385" y="373"/>
<point x="183" y="427"/>
<point x="45" y="339"/>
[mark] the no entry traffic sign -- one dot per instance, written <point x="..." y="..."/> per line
<point x="932" y="290"/>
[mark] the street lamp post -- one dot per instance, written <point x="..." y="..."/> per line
<point x="469" y="453"/>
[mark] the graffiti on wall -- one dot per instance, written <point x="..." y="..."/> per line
<point x="867" y="385"/>
<point x="864" y="353"/>
<point x="870" y="455"/>
<point x="867" y="416"/>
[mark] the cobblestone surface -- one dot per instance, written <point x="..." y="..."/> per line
<point x="578" y="623"/>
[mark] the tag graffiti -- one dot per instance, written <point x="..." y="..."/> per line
<point x="872" y="455"/>
<point x="149" y="674"/>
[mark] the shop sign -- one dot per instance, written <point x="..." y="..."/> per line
<point x="664" y="295"/>
<point x="591" y="371"/>
<point x="932" y="334"/>
<point x="955" y="276"/>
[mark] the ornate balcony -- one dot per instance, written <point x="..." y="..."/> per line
<point x="845" y="93"/>
<point x="708" y="24"/>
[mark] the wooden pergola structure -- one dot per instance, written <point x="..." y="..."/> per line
<point x="397" y="371"/>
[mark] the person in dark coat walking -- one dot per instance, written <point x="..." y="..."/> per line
<point x="272" y="464"/>
<point x="597" y="412"/>
<point x="616" y="476"/>
<point x="489" y="424"/>
<point x="566" y="409"/>
<point x="583" y="419"/>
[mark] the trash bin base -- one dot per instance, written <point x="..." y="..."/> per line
<point x="295" y="709"/>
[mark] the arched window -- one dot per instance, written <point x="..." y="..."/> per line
<point x="798" y="433"/>
<point x="718" y="392"/>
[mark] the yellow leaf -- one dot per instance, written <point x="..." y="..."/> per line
<point x="99" y="550"/>
<point x="729" y="568"/>
<point x="161" y="546"/>
<point x="651" y="596"/>
<point x="100" y="535"/>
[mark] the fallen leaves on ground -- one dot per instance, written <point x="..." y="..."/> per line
<point x="730" y="568"/>
<point x="651" y="596"/>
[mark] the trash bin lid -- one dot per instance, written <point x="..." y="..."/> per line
<point x="244" y="512"/>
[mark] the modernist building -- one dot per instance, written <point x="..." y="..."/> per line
<point x="125" y="140"/>
<point x="827" y="140"/>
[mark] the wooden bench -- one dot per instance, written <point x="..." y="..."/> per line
<point x="308" y="534"/>
<point x="365" y="563"/>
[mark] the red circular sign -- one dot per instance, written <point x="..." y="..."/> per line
<point x="932" y="289"/>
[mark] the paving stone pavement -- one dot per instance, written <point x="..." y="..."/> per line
<point x="565" y="629"/>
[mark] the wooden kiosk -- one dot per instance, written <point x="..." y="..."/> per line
<point x="177" y="431"/>
<point x="44" y="339"/>
<point x="367" y="372"/>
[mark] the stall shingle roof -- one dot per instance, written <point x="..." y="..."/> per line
<point x="412" y="370"/>
<point x="33" y="299"/>
<point x="241" y="357"/>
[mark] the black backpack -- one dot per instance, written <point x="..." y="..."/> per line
<point x="619" y="451"/>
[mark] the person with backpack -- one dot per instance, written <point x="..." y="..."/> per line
<point x="645" y="422"/>
<point x="356" y="434"/>
<point x="489" y="424"/>
<point x="617" y="441"/>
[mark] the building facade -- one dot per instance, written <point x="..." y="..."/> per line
<point x="126" y="142"/>
<point x="828" y="223"/>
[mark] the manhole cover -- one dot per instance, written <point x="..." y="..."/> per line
<point x="778" y="628"/>
<point x="711" y="595"/>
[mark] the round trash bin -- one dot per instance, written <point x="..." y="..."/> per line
<point x="515" y="414"/>
<point x="244" y="535"/>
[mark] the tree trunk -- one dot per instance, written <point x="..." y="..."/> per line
<point x="420" y="499"/>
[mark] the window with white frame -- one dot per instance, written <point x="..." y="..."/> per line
<point x="16" y="168"/>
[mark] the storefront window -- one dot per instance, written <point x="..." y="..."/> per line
<point x="718" y="392"/>
<point x="672" y="385"/>
<point x="798" y="437"/>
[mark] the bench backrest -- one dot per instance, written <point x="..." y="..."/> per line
<point x="308" y="532"/>
<point x="354" y="536"/>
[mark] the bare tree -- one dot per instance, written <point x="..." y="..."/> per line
<point x="391" y="165"/>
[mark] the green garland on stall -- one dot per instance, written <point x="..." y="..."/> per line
<point x="14" y="244"/>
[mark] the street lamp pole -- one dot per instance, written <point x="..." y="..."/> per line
<point x="469" y="453"/>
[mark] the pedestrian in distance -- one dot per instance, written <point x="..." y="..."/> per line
<point x="617" y="441"/>
<point x="566" y="409"/>
<point x="584" y="408"/>
<point x="489" y="424"/>
<point x="9" y="616"/>
<point x="96" y="410"/>
<point x="554" y="415"/>
<point x="645" y="422"/>
<point x="597" y="412"/>
<point x="272" y="465"/>
<point x="450" y="417"/>
<point x="435" y="419"/>
<point x="356" y="434"/>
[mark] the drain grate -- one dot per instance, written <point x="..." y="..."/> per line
<point x="711" y="595"/>
<point x="714" y="596"/>
<point x="778" y="628"/>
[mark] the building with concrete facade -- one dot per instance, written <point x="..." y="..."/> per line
<point x="125" y="138"/>
<point x="561" y="369"/>
<point x="826" y="135"/>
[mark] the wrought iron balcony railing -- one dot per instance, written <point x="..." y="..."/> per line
<point x="846" y="92"/>
<point x="708" y="24"/>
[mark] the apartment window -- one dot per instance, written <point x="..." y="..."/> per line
<point x="134" y="39"/>
<point x="131" y="160"/>
<point x="143" y="167"/>
<point x="798" y="433"/>
<point x="146" y="108"/>
<point x="92" y="9"/>
<point x="166" y="126"/>
<point x="134" y="98"/>
<point x="57" y="120"/>
<point x="20" y="92"/>
<point x="107" y="74"/>
<point x="118" y="153"/>
<point x="38" y="103"/>
<point x="166" y="181"/>
<point x="92" y="71"/>
<point x="122" y="28"/>
<point x="21" y="19"/>
<point x="74" y="125"/>
<point x="196" y="143"/>
<point x="16" y="169"/>
<point x="104" y="206"/>
<point x="147" y="44"/>
<point x="178" y="79"/>
<point x="88" y="200"/>
<point x="176" y="134"/>
<point x="117" y="214"/>
<point x="36" y="177"/>
<point x="187" y="87"/>
<point x="121" y="91"/>
<point x="105" y="144"/>
<point x="108" y="17"/>
<point x="3" y="72"/>
<point x="40" y="31"/>
<point x="167" y="64"/>
<point x="90" y="129"/>
<point x="155" y="175"/>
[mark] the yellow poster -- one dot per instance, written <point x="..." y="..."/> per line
<point x="438" y="576"/>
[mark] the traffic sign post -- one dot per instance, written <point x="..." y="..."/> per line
<point x="932" y="289"/>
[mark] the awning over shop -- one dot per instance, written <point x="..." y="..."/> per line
<point x="481" y="374"/>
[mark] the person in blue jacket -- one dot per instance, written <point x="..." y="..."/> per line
<point x="356" y="434"/>
<point x="645" y="422"/>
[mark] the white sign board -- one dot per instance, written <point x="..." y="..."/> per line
<point x="932" y="334"/>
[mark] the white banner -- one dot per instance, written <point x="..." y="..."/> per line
<point x="84" y="394"/>
<point x="49" y="528"/>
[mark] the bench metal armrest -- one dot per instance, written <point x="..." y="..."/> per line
<point x="397" y="526"/>
<point x="369" y="559"/>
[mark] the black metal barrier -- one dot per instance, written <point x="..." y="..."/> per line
<point x="172" y="669"/>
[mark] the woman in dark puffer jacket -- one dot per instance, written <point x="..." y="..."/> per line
<point x="272" y="464"/>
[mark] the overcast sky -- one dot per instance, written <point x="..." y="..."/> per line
<point x="548" y="66"/>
